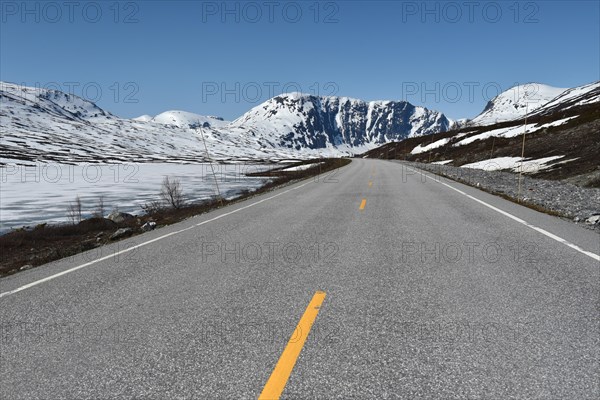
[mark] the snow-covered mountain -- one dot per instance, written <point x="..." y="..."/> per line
<point x="53" y="103"/>
<point x="184" y="119"/>
<point x="556" y="112"/>
<point x="562" y="142"/>
<point x="50" y="126"/>
<point x="515" y="102"/>
<point x="298" y="121"/>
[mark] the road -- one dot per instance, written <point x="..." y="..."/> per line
<point x="424" y="291"/>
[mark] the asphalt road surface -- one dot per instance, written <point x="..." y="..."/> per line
<point x="421" y="291"/>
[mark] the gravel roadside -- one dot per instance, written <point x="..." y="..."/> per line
<point x="578" y="204"/>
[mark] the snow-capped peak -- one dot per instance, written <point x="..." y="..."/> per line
<point x="516" y="102"/>
<point x="184" y="119"/>
<point x="297" y="120"/>
<point x="143" y="118"/>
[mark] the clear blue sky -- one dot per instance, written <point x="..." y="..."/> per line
<point x="151" y="56"/>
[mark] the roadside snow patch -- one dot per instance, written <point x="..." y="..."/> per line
<point x="421" y="149"/>
<point x="301" y="167"/>
<point x="513" y="163"/>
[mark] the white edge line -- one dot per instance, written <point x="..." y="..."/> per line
<point x="519" y="220"/>
<point x="49" y="278"/>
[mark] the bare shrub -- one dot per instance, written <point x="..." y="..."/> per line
<point x="171" y="192"/>
<point x="99" y="213"/>
<point x="152" y="207"/>
<point x="74" y="211"/>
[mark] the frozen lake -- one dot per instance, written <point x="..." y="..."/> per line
<point x="39" y="193"/>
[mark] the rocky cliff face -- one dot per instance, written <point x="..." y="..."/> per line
<point x="304" y="121"/>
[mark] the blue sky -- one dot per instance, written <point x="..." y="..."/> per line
<point x="146" y="57"/>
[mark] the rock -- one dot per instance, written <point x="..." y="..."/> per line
<point x="148" y="226"/>
<point x="121" y="233"/>
<point x="119" y="217"/>
<point x="51" y="253"/>
<point x="593" y="220"/>
<point x="97" y="223"/>
<point x="26" y="267"/>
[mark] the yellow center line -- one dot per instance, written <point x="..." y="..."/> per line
<point x="363" y="203"/>
<point x="280" y="375"/>
<point x="370" y="183"/>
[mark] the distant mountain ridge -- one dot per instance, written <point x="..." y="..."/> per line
<point x="48" y="125"/>
<point x="299" y="120"/>
<point x="51" y="126"/>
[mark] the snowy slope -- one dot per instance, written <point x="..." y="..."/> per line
<point x="511" y="131"/>
<point x="558" y="111"/>
<point x="577" y="96"/>
<point x="513" y="103"/>
<point x="53" y="103"/>
<point x="45" y="125"/>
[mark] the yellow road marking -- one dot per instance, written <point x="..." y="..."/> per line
<point x="363" y="203"/>
<point x="280" y="375"/>
<point x="370" y="183"/>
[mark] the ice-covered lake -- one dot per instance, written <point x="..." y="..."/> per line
<point x="41" y="193"/>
